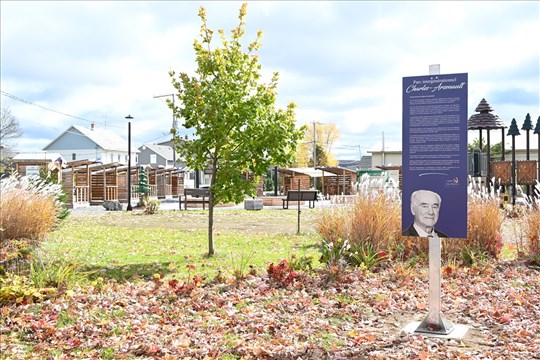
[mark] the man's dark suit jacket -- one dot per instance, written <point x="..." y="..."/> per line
<point x="411" y="231"/>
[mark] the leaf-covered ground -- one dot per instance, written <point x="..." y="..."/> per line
<point x="358" y="317"/>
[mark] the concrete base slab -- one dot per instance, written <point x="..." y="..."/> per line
<point x="253" y="204"/>
<point x="458" y="332"/>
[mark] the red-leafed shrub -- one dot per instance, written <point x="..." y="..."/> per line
<point x="282" y="274"/>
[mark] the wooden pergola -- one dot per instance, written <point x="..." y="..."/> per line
<point x="45" y="161"/>
<point x="76" y="182"/>
<point x="90" y="183"/>
<point x="104" y="183"/>
<point x="164" y="182"/>
<point x="340" y="182"/>
<point x="294" y="176"/>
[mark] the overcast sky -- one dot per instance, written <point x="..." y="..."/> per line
<point x="340" y="62"/>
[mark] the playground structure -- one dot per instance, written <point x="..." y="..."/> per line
<point x="503" y="173"/>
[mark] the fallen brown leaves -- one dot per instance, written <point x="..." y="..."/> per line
<point x="360" y="317"/>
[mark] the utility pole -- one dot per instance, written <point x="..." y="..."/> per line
<point x="315" y="152"/>
<point x="359" y="154"/>
<point x="314" y="144"/>
<point x="174" y="126"/>
<point x="383" y="159"/>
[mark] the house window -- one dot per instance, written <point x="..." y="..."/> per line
<point x="126" y="159"/>
<point x="153" y="158"/>
<point x="73" y="156"/>
<point x="112" y="158"/>
<point x="118" y="157"/>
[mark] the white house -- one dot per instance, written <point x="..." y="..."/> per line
<point x="80" y="143"/>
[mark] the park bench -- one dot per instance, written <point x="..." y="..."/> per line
<point x="194" y="196"/>
<point x="301" y="195"/>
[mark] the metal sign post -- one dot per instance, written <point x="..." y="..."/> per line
<point x="435" y="323"/>
<point x="434" y="173"/>
<point x="299" y="211"/>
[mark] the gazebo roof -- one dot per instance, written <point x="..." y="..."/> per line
<point x="485" y="119"/>
<point x="311" y="172"/>
<point x="335" y="170"/>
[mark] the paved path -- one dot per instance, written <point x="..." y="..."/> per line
<point x="172" y="204"/>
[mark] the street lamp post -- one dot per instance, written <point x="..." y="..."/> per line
<point x="129" y="118"/>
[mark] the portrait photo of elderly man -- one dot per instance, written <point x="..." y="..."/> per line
<point x="425" y="207"/>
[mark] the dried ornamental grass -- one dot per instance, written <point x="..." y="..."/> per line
<point x="375" y="219"/>
<point x="372" y="221"/>
<point x="28" y="207"/>
<point x="484" y="224"/>
<point x="332" y="223"/>
<point x="533" y="232"/>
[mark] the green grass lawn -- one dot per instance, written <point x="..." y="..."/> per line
<point x="123" y="245"/>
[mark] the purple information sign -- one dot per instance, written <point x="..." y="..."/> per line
<point x="434" y="167"/>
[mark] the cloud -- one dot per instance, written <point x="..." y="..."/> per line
<point x="340" y="62"/>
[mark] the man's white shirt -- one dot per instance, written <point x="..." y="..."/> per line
<point x="422" y="233"/>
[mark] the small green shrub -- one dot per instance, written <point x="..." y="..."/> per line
<point x="473" y="257"/>
<point x="304" y="263"/>
<point x="15" y="289"/>
<point x="55" y="274"/>
<point x="151" y="207"/>
<point x="241" y="265"/>
<point x="15" y="255"/>
<point x="365" y="256"/>
<point x="334" y="252"/>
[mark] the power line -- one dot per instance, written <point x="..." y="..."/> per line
<point x="54" y="111"/>
<point x="160" y="137"/>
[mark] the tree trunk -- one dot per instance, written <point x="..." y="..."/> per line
<point x="211" y="211"/>
<point x="211" y="224"/>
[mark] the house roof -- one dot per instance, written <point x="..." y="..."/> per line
<point x="365" y="162"/>
<point x="32" y="156"/>
<point x="105" y="139"/>
<point x="164" y="151"/>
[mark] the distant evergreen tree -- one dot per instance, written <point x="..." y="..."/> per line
<point x="143" y="188"/>
<point x="268" y="181"/>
